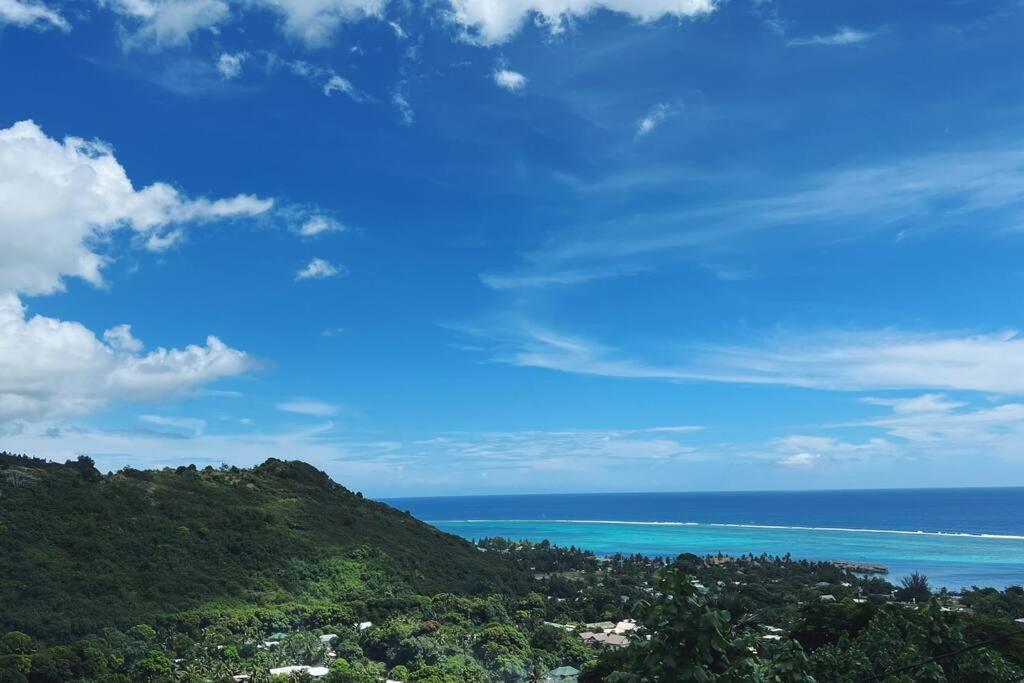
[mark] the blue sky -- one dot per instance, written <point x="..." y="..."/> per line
<point x="470" y="246"/>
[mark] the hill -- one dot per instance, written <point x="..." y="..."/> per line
<point x="80" y="551"/>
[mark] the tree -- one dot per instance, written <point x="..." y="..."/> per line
<point x="155" y="666"/>
<point x="689" y="640"/>
<point x="16" y="643"/>
<point x="915" y="588"/>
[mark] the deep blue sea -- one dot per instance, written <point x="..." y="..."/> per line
<point x="958" y="537"/>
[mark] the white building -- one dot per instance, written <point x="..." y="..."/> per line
<point x="314" y="671"/>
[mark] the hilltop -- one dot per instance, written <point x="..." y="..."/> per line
<point x="80" y="551"/>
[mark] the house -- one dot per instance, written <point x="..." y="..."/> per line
<point x="587" y="636"/>
<point x="1019" y="621"/>
<point x="624" y="626"/>
<point x="611" y="640"/>
<point x="363" y="625"/>
<point x="563" y="674"/>
<point x="327" y="638"/>
<point x="564" y="627"/>
<point x="313" y="671"/>
<point x="827" y="598"/>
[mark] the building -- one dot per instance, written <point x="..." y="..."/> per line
<point x="563" y="674"/>
<point x="313" y="671"/>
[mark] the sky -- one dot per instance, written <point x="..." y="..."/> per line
<point x="513" y="246"/>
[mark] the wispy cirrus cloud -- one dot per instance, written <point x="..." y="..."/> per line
<point x="655" y="116"/>
<point x="836" y="361"/>
<point x="189" y="424"/>
<point x="305" y="406"/>
<point x="982" y="187"/>
<point x="843" y="36"/>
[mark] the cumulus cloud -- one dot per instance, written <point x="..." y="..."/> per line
<point x="31" y="14"/>
<point x="51" y="367"/>
<point x="319" y="269"/>
<point x="230" y="65"/>
<point x="495" y="21"/>
<point x="63" y="198"/>
<point x="513" y="81"/>
<point x="844" y="36"/>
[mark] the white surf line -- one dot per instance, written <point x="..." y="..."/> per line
<point x="945" y="534"/>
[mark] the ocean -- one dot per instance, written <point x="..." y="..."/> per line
<point x="957" y="537"/>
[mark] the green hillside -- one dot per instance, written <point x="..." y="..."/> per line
<point x="80" y="551"/>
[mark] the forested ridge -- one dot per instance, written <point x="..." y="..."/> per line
<point x="278" y="574"/>
<point x="82" y="551"/>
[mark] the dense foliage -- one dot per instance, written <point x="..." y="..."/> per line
<point x="81" y="551"/>
<point x="204" y="575"/>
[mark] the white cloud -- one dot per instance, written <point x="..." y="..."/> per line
<point x="53" y="367"/>
<point x="801" y="460"/>
<point x="979" y="188"/>
<point x="838" y="361"/>
<point x="879" y="360"/>
<point x="806" y="452"/>
<point x="189" y="424"/>
<point x="399" y="31"/>
<point x="120" y="338"/>
<point x="319" y="269"/>
<point x="657" y="115"/>
<point x="315" y="22"/>
<point x="579" y="450"/>
<point x="304" y="406"/>
<point x="327" y="80"/>
<point x="844" y="36"/>
<point x="338" y="84"/>
<point x="513" y="81"/>
<point x="926" y="403"/>
<point x="319" y="224"/>
<point x="164" y="23"/>
<point x="495" y="21"/>
<point x="31" y="14"/>
<point x="406" y="114"/>
<point x="956" y="429"/>
<point x="63" y="199"/>
<point x="230" y="65"/>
